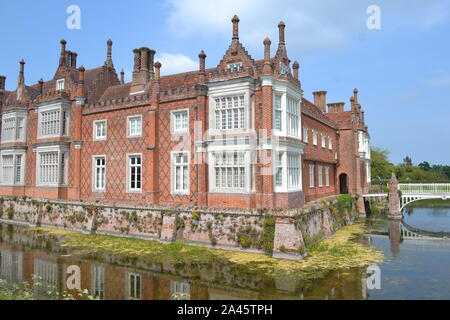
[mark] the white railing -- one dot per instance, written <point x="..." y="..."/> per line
<point x="441" y="189"/>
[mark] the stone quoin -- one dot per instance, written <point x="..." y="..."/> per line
<point x="238" y="135"/>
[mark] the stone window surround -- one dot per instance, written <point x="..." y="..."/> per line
<point x="172" y="157"/>
<point x="128" y="189"/>
<point x="15" y="114"/>
<point x="94" y="134"/>
<point x="61" y="150"/>
<point x="14" y="153"/>
<point x="283" y="89"/>
<point x="129" y="118"/>
<point x="61" y="106"/>
<point x="94" y="174"/>
<point x="172" y="121"/>
<point x="239" y="87"/>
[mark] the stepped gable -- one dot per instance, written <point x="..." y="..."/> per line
<point x="313" y="111"/>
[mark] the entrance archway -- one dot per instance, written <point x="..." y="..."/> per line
<point x="343" y="183"/>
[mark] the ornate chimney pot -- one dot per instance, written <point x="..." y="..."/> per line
<point x="235" y="22"/>
<point x="296" y="66"/>
<point x="202" y="60"/>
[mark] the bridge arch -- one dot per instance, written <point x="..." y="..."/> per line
<point x="416" y="192"/>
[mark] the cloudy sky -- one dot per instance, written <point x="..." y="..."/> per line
<point x="402" y="71"/>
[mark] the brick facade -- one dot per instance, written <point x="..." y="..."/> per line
<point x="237" y="131"/>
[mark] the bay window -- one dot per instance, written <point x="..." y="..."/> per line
<point x="287" y="172"/>
<point x="279" y="170"/>
<point x="230" y="113"/>
<point x="12" y="168"/>
<point x="230" y="171"/>
<point x="293" y="165"/>
<point x="278" y="123"/>
<point x="13" y="127"/>
<point x="180" y="173"/>
<point x="52" y="166"/>
<point x="53" y="120"/>
<point x="293" y="117"/>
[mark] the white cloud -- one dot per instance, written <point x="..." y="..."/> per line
<point x="311" y="25"/>
<point x="176" y="63"/>
<point x="443" y="81"/>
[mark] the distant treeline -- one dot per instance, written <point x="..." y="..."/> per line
<point x="382" y="169"/>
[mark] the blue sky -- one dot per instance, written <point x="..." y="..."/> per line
<point x="402" y="71"/>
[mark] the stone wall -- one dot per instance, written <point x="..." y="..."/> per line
<point x="283" y="233"/>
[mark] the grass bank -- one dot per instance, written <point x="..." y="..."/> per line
<point x="339" y="252"/>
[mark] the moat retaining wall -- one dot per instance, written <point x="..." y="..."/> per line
<point x="284" y="233"/>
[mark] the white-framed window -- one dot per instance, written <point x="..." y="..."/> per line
<point x="12" y="168"/>
<point x="99" y="179"/>
<point x="279" y="169"/>
<point x="135" y="126"/>
<point x="134" y="286"/>
<point x="327" y="176"/>
<point x="294" y="175"/>
<point x="278" y="123"/>
<point x="13" y="127"/>
<point x="53" y="121"/>
<point x="60" y="83"/>
<point x="100" y="130"/>
<point x="293" y="117"/>
<point x="320" y="176"/>
<point x="52" y="166"/>
<point x="234" y="67"/>
<point x="311" y="176"/>
<point x="134" y="173"/>
<point x="315" y="137"/>
<point x="230" y="171"/>
<point x="324" y="140"/>
<point x="98" y="282"/>
<point x="330" y="143"/>
<point x="180" y="288"/>
<point x="180" y="173"/>
<point x="305" y="134"/>
<point x="230" y="113"/>
<point x="368" y="172"/>
<point x="180" y="121"/>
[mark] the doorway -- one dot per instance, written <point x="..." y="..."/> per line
<point x="343" y="183"/>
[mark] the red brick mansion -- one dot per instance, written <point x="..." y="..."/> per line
<point x="238" y="135"/>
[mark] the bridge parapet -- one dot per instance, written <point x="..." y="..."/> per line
<point x="435" y="189"/>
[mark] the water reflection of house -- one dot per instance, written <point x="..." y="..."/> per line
<point x="11" y="266"/>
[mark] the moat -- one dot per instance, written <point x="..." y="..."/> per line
<point x="412" y="269"/>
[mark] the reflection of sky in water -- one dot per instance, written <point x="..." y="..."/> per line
<point x="436" y="220"/>
<point x="421" y="270"/>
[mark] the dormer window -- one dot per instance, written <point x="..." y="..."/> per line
<point x="60" y="84"/>
<point x="234" y="67"/>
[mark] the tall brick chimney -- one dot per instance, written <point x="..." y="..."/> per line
<point x="2" y="82"/>
<point x="320" y="100"/>
<point x="62" y="58"/>
<point x="109" y="61"/>
<point x="41" y="86"/>
<point x="202" y="61"/>
<point x="143" y="65"/>
<point x="21" y="79"/>
<point x="122" y="77"/>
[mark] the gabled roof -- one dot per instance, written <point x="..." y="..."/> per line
<point x="311" y="110"/>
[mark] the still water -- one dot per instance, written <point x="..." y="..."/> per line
<point x="413" y="269"/>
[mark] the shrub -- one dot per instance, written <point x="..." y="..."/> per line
<point x="10" y="212"/>
<point x="196" y="215"/>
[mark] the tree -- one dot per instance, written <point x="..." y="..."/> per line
<point x="381" y="167"/>
<point x="408" y="161"/>
<point x="425" y="166"/>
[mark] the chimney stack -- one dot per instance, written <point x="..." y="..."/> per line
<point x="267" y="68"/>
<point x="62" y="58"/>
<point x="41" y="86"/>
<point x="2" y="82"/>
<point x="122" y="77"/>
<point x="320" y="100"/>
<point x="21" y="79"/>
<point x="158" y="71"/>
<point x="281" y="28"/>
<point x="109" y="62"/>
<point x="336" y="107"/>
<point x="143" y="65"/>
<point x="235" y="22"/>
<point x="81" y="76"/>
<point x="296" y="66"/>
<point x="202" y="61"/>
